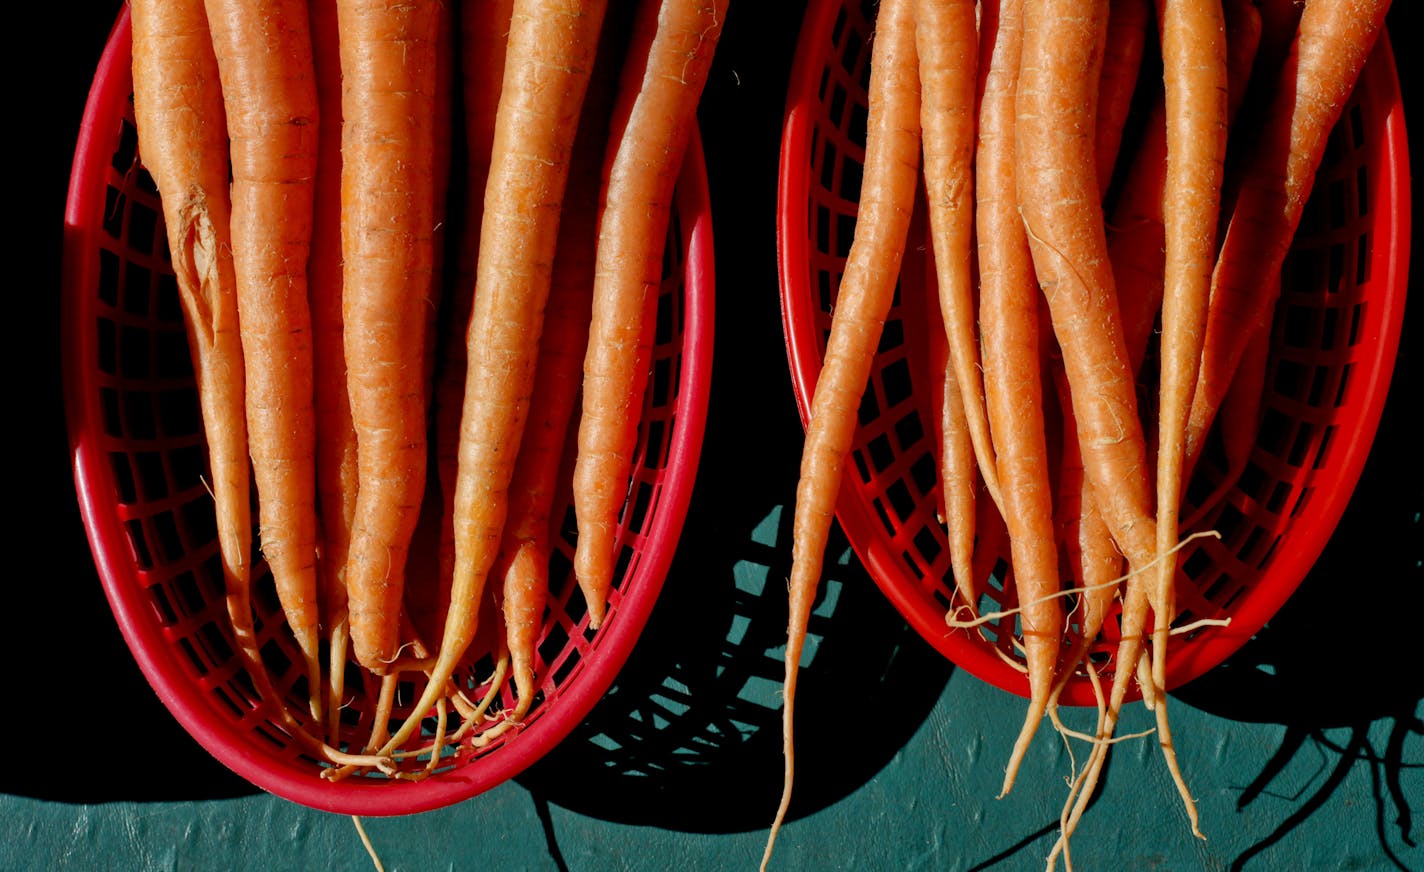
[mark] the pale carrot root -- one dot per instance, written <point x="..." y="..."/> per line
<point x="1009" y="321"/>
<point x="653" y="116"/>
<point x="269" y="94"/>
<point x="866" y="289"/>
<point x="550" y="52"/>
<point x="1058" y="193"/>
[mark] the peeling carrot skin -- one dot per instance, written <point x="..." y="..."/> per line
<point x="265" y="65"/>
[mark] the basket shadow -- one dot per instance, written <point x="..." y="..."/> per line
<point x="1306" y="673"/>
<point x="696" y="711"/>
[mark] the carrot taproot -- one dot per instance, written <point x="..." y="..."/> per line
<point x="1123" y="45"/>
<point x="1194" y="74"/>
<point x="264" y="58"/>
<point x="653" y="116"/>
<point x="387" y="190"/>
<point x="1008" y="316"/>
<point x="484" y="32"/>
<point x="958" y="469"/>
<point x="1058" y="194"/>
<point x="523" y="564"/>
<point x="549" y="56"/>
<point x="1333" y="40"/>
<point x="892" y="157"/>
<point x="335" y="438"/>
<point x="947" y="44"/>
<point x="178" y="110"/>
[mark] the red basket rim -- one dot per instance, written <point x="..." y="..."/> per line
<point x="157" y="658"/>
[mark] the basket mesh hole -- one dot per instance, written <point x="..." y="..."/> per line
<point x="174" y="361"/>
<point x="663" y="383"/>
<point x="138" y="543"/>
<point x="114" y="202"/>
<point x="143" y="227"/>
<point x="896" y="379"/>
<point x="170" y="543"/>
<point x="908" y="431"/>
<point x="189" y="595"/>
<point x="882" y="455"/>
<point x="126" y="152"/>
<point x="123" y="477"/>
<point x="134" y="353"/>
<point x="194" y="658"/>
<point x="1346" y="374"/>
<point x="924" y="474"/>
<point x="900" y="499"/>
<point x="152" y="482"/>
<point x="108" y="277"/>
<point x="869" y="408"/>
<point x="161" y="606"/>
<point x="108" y="351"/>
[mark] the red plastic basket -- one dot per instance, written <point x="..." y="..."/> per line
<point x="139" y="460"/>
<point x="1334" y="344"/>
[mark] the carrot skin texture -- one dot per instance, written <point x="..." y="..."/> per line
<point x="179" y="113"/>
<point x="867" y="287"/>
<point x="550" y="53"/>
<point x="265" y="66"/>
<point x="653" y="118"/>
<point x="1009" y="317"/>
<point x="1194" y="61"/>
<point x="947" y="43"/>
<point x="387" y="192"/>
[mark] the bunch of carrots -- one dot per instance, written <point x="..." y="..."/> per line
<point x="1117" y="303"/>
<point x="362" y="336"/>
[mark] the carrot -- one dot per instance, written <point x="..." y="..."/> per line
<point x="179" y="113"/>
<point x="484" y="31"/>
<point x="892" y="153"/>
<point x="959" y="478"/>
<point x="265" y="66"/>
<point x="1194" y="71"/>
<point x="335" y="438"/>
<point x="550" y="52"/>
<point x="652" y="120"/>
<point x="1058" y="195"/>
<point x="1333" y="41"/>
<point x="1009" y="320"/>
<point x="523" y="564"/>
<point x="946" y="39"/>
<point x="387" y="190"/>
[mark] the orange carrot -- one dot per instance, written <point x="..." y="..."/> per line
<point x="946" y="41"/>
<point x="867" y="286"/>
<point x="387" y="191"/>
<point x="1334" y="39"/>
<point x="523" y="564"/>
<point x="653" y="118"/>
<point x="551" y="50"/>
<point x="179" y="112"/>
<point x="1194" y="71"/>
<point x="265" y="65"/>
<point x="1009" y="320"/>
<point x="1058" y="194"/>
<point x="484" y="31"/>
<point x="959" y="477"/>
<point x="335" y="438"/>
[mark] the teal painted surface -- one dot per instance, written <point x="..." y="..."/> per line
<point x="1306" y="751"/>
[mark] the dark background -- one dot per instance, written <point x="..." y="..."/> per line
<point x="1308" y="743"/>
